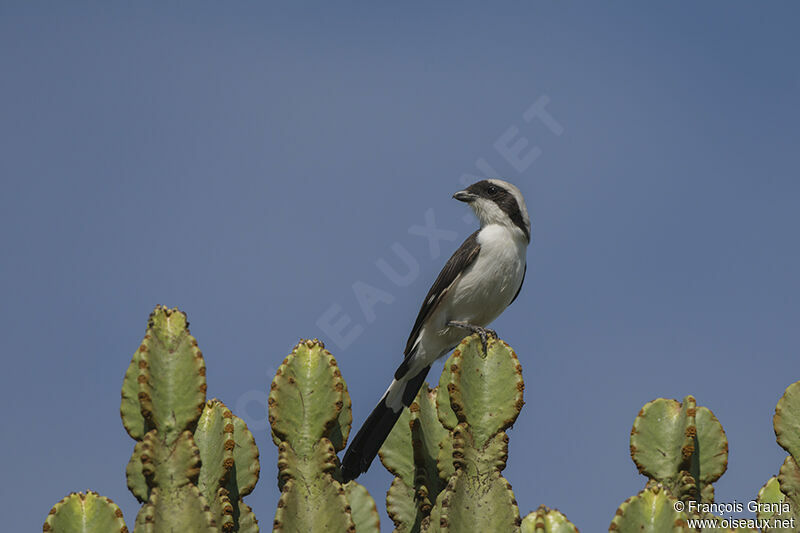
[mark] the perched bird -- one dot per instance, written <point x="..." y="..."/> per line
<point x="477" y="283"/>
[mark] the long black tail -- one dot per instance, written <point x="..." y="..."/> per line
<point x="369" y="439"/>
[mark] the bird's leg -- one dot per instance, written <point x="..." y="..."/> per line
<point x="481" y="331"/>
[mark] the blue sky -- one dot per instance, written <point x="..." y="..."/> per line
<point x="250" y="164"/>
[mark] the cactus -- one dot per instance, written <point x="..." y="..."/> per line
<point x="362" y="508"/>
<point x="682" y="449"/>
<point x="772" y="507"/>
<point x="545" y="520"/>
<point x="787" y="432"/>
<point x="411" y="453"/>
<point x="85" y="513"/>
<point x="193" y="461"/>
<point x="309" y="411"/>
<point x="652" y="510"/>
<point x="681" y="446"/>
<point x="449" y="450"/>
<point x="485" y="392"/>
<point x="787" y="420"/>
<point x="230" y="466"/>
<point x="163" y="394"/>
<point x="779" y="498"/>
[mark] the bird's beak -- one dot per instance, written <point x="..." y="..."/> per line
<point x="464" y="196"/>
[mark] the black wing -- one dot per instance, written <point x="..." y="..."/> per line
<point x="520" y="284"/>
<point x="460" y="260"/>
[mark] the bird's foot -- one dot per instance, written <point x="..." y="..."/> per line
<point x="482" y="332"/>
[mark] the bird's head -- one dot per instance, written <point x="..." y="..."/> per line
<point x="497" y="202"/>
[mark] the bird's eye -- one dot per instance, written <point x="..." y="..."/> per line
<point x="491" y="189"/>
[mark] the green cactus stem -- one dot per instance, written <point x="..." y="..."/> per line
<point x="362" y="508"/>
<point x="480" y="395"/>
<point x="411" y="453"/>
<point x="772" y="507"/>
<point x="787" y="420"/>
<point x="779" y="498"/>
<point x="85" y="513"/>
<point x="306" y="401"/>
<point x="193" y="461"/>
<point x="165" y="384"/>
<point x="448" y="450"/>
<point x="230" y="466"/>
<point x="481" y="503"/>
<point x="544" y="520"/>
<point x="486" y="391"/>
<point x="650" y="511"/>
<point x="789" y="479"/>
<point x="680" y="445"/>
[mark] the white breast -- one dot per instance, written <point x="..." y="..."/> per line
<point x="489" y="285"/>
<point x="478" y="296"/>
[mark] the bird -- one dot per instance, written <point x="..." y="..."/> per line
<point x="482" y="277"/>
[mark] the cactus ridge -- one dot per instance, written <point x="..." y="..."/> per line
<point x="246" y="467"/>
<point x="680" y="445"/>
<point x="544" y="520"/>
<point x="193" y="460"/>
<point x="362" y="508"/>
<point x="485" y="392"/>
<point x="165" y="386"/>
<point x="787" y="420"/>
<point x="448" y="449"/>
<point x="184" y="507"/>
<point x="411" y="453"/>
<point x="85" y="513"/>
<point x="214" y="438"/>
<point x="134" y="473"/>
<point x="427" y="438"/>
<point x="305" y="397"/>
<point x="789" y="480"/>
<point x="780" y="495"/>
<point x="771" y="495"/>
<point x="682" y="449"/>
<point x="310" y="416"/>
<point x="652" y="510"/>
<point x="230" y="465"/>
